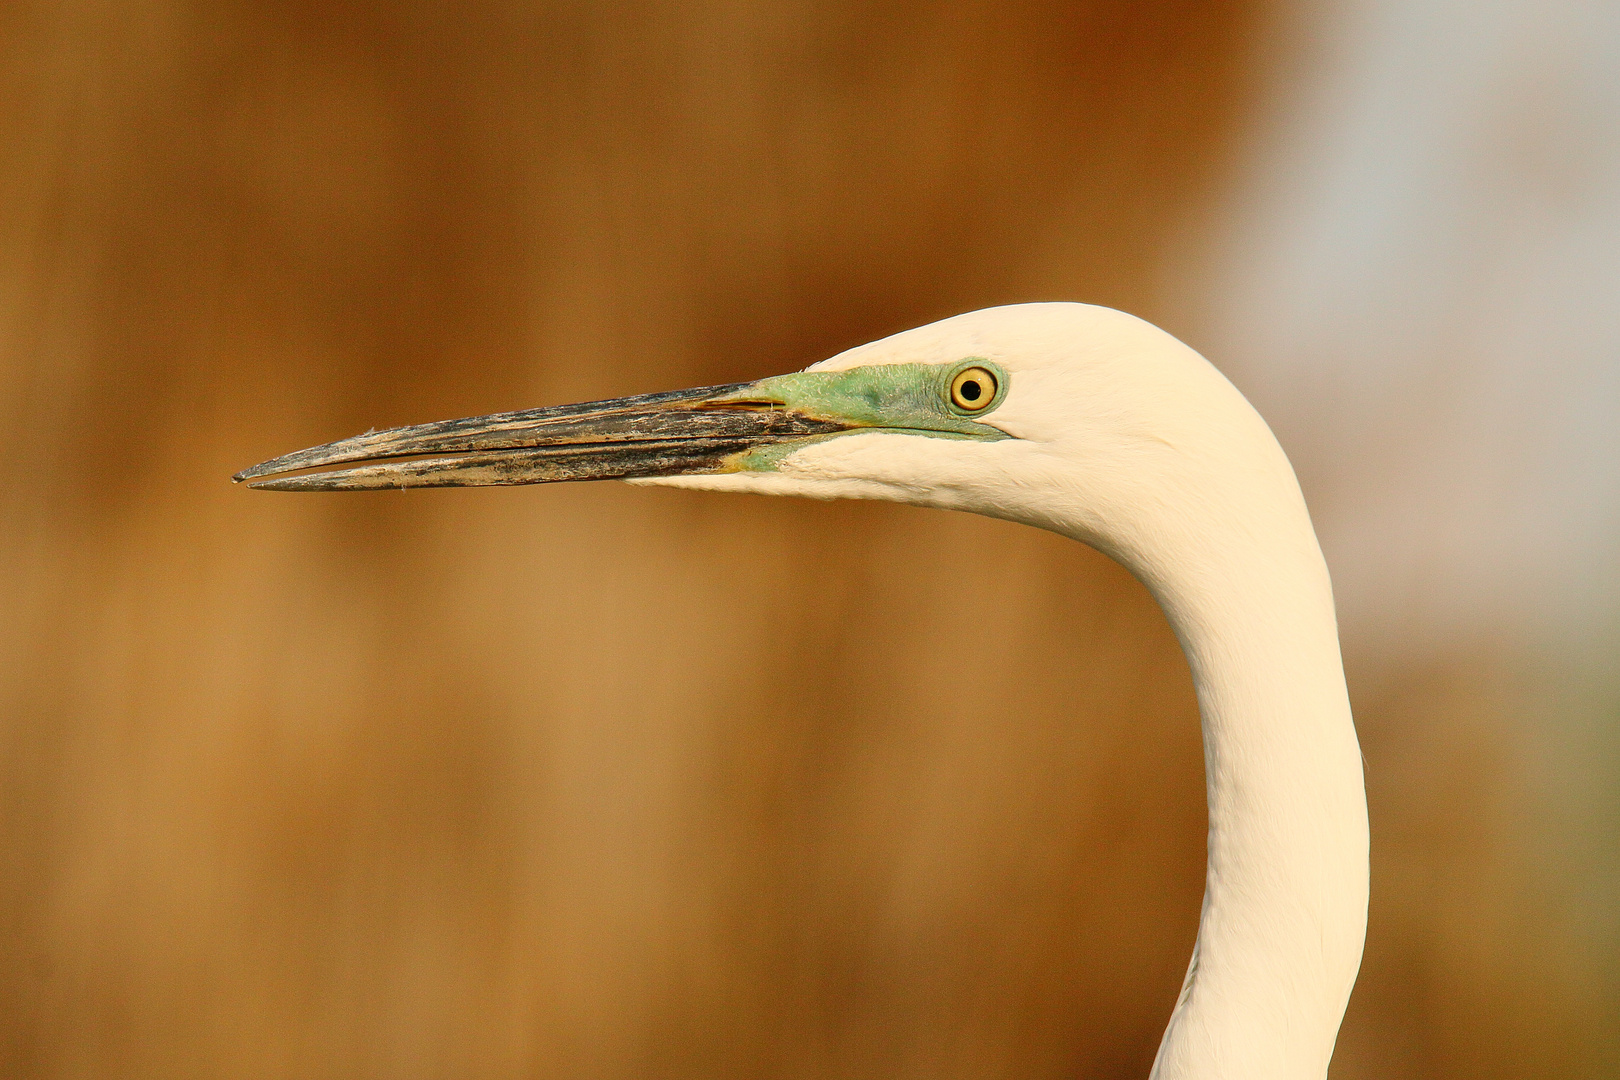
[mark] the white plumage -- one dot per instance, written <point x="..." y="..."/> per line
<point x="1109" y="431"/>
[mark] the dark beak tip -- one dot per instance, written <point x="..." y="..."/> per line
<point x="268" y="468"/>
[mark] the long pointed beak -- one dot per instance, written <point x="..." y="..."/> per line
<point x="683" y="431"/>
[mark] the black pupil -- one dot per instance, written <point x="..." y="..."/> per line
<point x="971" y="391"/>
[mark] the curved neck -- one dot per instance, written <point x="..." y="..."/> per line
<point x="1238" y="570"/>
<point x="1243" y="583"/>
<point x="1285" y="900"/>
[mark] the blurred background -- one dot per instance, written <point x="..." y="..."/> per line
<point x="596" y="782"/>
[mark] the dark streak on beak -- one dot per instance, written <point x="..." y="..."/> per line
<point x="683" y="431"/>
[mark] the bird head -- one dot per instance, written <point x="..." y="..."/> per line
<point x="1061" y="415"/>
<point x="1091" y="423"/>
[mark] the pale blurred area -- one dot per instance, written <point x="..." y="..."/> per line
<point x="1415" y="274"/>
<point x="597" y="782"/>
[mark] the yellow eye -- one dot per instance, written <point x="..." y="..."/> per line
<point x="973" y="389"/>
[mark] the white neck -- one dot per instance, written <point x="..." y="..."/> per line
<point x="1125" y="439"/>
<point x="1285" y="900"/>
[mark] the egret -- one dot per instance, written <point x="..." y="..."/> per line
<point x="1099" y="426"/>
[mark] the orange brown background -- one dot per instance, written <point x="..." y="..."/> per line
<point x="593" y="782"/>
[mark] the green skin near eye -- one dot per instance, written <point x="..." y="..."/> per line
<point x="908" y="399"/>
